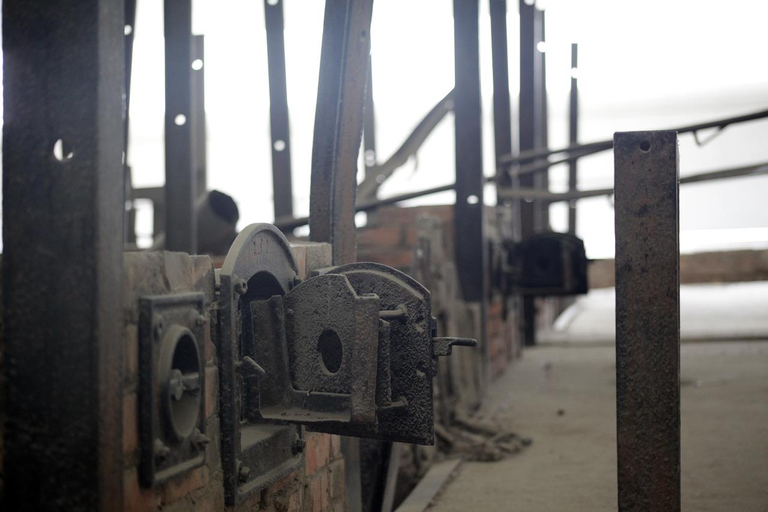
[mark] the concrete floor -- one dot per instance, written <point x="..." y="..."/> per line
<point x="564" y="398"/>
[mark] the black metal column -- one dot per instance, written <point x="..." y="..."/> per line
<point x="339" y="125"/>
<point x="647" y="321"/>
<point x="502" y="115"/>
<point x="63" y="77"/>
<point x="469" y="225"/>
<point x="278" y="110"/>
<point x="573" y="136"/>
<point x="180" y="180"/>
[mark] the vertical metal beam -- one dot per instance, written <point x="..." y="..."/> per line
<point x="647" y="321"/>
<point x="180" y="180"/>
<point x="573" y="136"/>
<point x="129" y="220"/>
<point x="63" y="77"/>
<point x="336" y="144"/>
<point x="530" y="90"/>
<point x="469" y="225"/>
<point x="278" y="110"/>
<point x="502" y="115"/>
<point x="197" y="117"/>
<point x="339" y="125"/>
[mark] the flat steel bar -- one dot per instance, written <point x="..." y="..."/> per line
<point x="197" y="117"/>
<point x="469" y="213"/>
<point x="573" y="134"/>
<point x="502" y="110"/>
<point x="541" y="179"/>
<point x="369" y="129"/>
<point x="63" y="78"/>
<point x="180" y="180"/>
<point x="279" y="123"/>
<point x="339" y="125"/>
<point x="530" y="89"/>
<point x="647" y="321"/>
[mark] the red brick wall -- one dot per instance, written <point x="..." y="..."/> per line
<point x="315" y="487"/>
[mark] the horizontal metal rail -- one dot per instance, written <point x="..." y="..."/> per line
<point x="595" y="147"/>
<point x="552" y="197"/>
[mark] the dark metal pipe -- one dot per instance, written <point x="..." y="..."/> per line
<point x="573" y="134"/>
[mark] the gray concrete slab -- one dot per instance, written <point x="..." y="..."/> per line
<point x="564" y="398"/>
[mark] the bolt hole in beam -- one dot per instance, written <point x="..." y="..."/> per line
<point x="197" y="64"/>
<point x="473" y="199"/>
<point x="331" y="351"/>
<point x="128" y="30"/>
<point x="279" y="145"/>
<point x="180" y="120"/>
<point x="61" y="153"/>
<point x="645" y="146"/>
<point x="273" y="2"/>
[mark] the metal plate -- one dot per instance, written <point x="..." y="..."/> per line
<point x="171" y="428"/>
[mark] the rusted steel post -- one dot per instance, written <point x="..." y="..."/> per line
<point x="62" y="368"/>
<point x="647" y="321"/>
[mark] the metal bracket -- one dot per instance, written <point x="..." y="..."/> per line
<point x="171" y="386"/>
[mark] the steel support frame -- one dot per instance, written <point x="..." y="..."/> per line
<point x="647" y="320"/>
<point x="180" y="179"/>
<point x="280" y="132"/>
<point x="63" y="204"/>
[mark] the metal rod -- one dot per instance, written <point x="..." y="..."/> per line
<point x="282" y="181"/>
<point x="369" y="129"/>
<point x="339" y="125"/>
<point x="63" y="184"/>
<point x="647" y="321"/>
<point x="365" y="206"/>
<point x="573" y="135"/>
<point x="180" y="180"/>
<point x="541" y="179"/>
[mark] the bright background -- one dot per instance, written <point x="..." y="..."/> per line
<point x="644" y="64"/>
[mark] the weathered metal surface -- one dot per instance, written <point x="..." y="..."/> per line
<point x="280" y="132"/>
<point x="369" y="126"/>
<point x="647" y="321"/>
<point x="573" y="135"/>
<point x="62" y="264"/>
<point x="171" y="384"/>
<point x="350" y="352"/>
<point x="180" y="179"/>
<point x="259" y="265"/>
<point x="469" y="214"/>
<point x="339" y="125"/>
